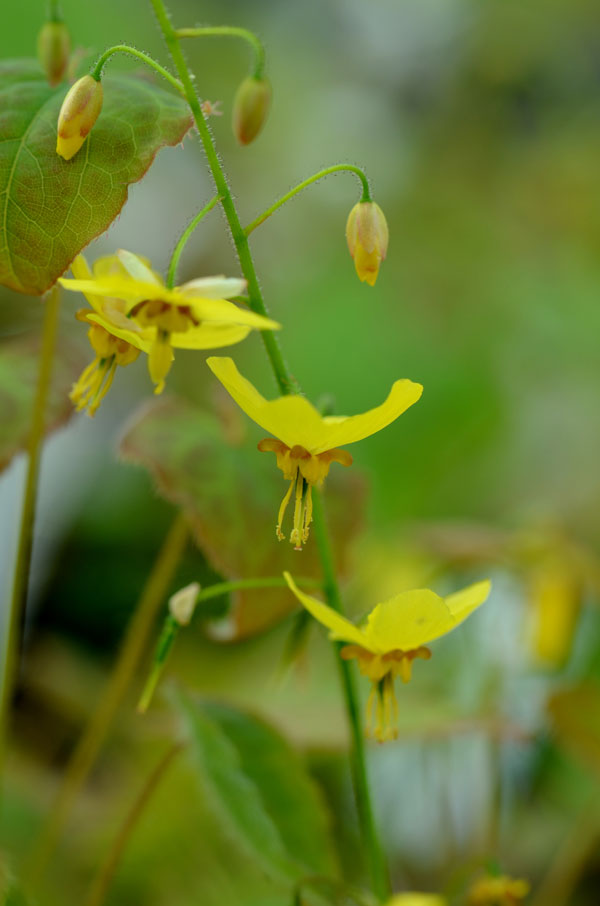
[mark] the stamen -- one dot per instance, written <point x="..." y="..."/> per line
<point x="307" y="513"/>
<point x="379" y="736"/>
<point x="390" y="708"/>
<point x="93" y="383"/>
<point x="405" y="669"/>
<point x="296" y="535"/>
<point x="102" y="391"/>
<point x="282" y="509"/>
<point x="81" y="384"/>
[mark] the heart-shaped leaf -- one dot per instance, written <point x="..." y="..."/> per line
<point x="260" y="789"/>
<point x="231" y="494"/>
<point x="19" y="367"/>
<point x="51" y="208"/>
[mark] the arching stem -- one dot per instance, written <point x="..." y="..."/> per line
<point x="336" y="168"/>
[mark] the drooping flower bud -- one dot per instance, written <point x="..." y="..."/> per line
<point x="250" y="109"/>
<point x="183" y="603"/>
<point x="367" y="235"/>
<point x="54" y="48"/>
<point x="80" y="110"/>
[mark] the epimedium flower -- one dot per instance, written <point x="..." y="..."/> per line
<point x="498" y="890"/>
<point x="116" y="339"/>
<point x="367" y="235"/>
<point x="195" y="315"/>
<point x="396" y="632"/>
<point x="306" y="443"/>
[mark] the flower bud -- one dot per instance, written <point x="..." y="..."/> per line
<point x="250" y="109"/>
<point x="367" y="235"/>
<point x="80" y="110"/>
<point x="183" y="603"/>
<point x="54" y="48"/>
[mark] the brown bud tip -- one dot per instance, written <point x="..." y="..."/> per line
<point x="80" y="110"/>
<point x="250" y="109"/>
<point x="54" y="48"/>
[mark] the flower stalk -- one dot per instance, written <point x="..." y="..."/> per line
<point x="25" y="543"/>
<point x="376" y="860"/>
<point x="327" y="171"/>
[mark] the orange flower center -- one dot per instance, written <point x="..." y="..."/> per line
<point x="163" y="315"/>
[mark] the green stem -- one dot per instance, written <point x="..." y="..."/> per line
<point x="102" y="881"/>
<point x="132" y="650"/>
<point x="184" y="238"/>
<point x="96" y="72"/>
<point x="336" y="168"/>
<point x="25" y="544"/>
<point x="54" y="11"/>
<point x="376" y="859"/>
<point x="171" y="626"/>
<point x="223" y="588"/>
<point x="234" y="32"/>
<point x="287" y="384"/>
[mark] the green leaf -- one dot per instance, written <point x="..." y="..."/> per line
<point x="19" y="366"/>
<point x="261" y="790"/>
<point x="51" y="208"/>
<point x="231" y="494"/>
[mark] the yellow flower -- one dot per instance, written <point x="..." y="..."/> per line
<point x="80" y="110"/>
<point x="196" y="315"/>
<point x="367" y="235"/>
<point x="416" y="899"/>
<point x="305" y="442"/>
<point x="395" y="633"/>
<point x="115" y="339"/>
<point x="499" y="890"/>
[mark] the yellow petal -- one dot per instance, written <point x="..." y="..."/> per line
<point x="464" y="602"/>
<point x="117" y="287"/>
<point x="141" y="339"/>
<point x="222" y="310"/>
<point x="210" y="335"/>
<point x="339" y="627"/>
<point x="138" y="268"/>
<point x="414" y="618"/>
<point x="81" y="271"/>
<point x="132" y="291"/>
<point x="219" y="287"/>
<point x="408" y="620"/>
<point x="290" y="418"/>
<point x="295" y="421"/>
<point x="342" y="430"/>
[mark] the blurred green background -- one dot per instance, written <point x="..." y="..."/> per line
<point x="479" y="126"/>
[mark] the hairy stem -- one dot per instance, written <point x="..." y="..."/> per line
<point x="16" y="614"/>
<point x="287" y="384"/>
<point x="377" y="865"/>
<point x="132" y="650"/>
<point x="233" y="32"/>
<point x="255" y="299"/>
<point x="102" y="881"/>
<point x="96" y="72"/>
<point x="336" y="168"/>
<point x="184" y="238"/>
